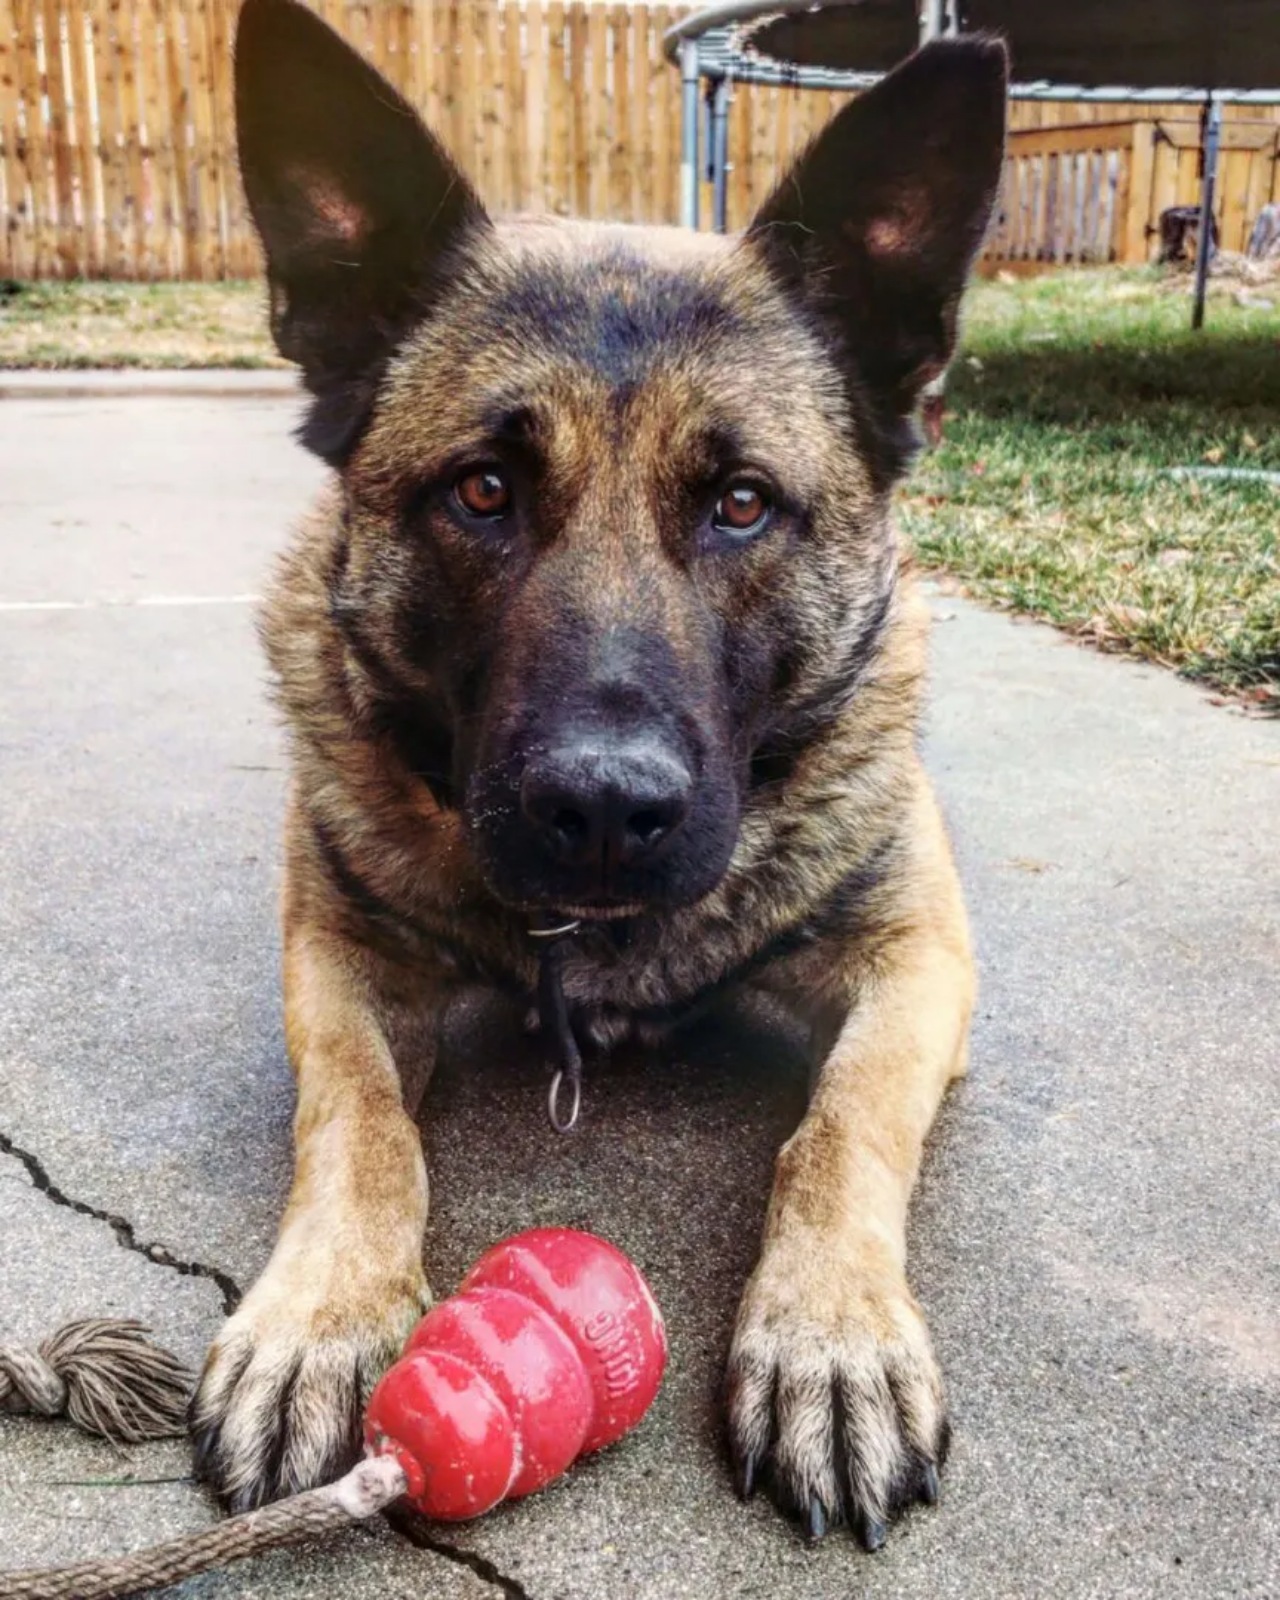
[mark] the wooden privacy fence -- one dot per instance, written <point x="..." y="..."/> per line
<point x="1093" y="192"/>
<point x="117" y="150"/>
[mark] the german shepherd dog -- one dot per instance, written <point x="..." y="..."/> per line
<point x="603" y="623"/>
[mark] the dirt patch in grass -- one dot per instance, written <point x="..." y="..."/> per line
<point x="78" y="325"/>
<point x="1077" y="405"/>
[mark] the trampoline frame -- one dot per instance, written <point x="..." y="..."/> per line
<point x="709" y="52"/>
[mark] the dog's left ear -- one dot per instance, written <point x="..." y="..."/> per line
<point x="878" y="222"/>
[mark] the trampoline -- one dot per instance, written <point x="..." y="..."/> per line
<point x="1207" y="52"/>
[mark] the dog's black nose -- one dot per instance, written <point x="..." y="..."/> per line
<point x="610" y="804"/>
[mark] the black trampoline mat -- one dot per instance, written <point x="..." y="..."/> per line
<point x="1147" y="44"/>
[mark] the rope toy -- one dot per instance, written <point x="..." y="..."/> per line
<point x="552" y="1348"/>
<point x="106" y="1375"/>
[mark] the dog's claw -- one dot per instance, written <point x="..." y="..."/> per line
<point x="873" y="1534"/>
<point x="841" y="1424"/>
<point x="747" y="1475"/>
<point x="817" y="1519"/>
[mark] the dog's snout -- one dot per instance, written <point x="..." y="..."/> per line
<point x="606" y="805"/>
<point x="606" y="786"/>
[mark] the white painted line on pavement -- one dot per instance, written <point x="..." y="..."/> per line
<point x="195" y="600"/>
<point x="142" y="600"/>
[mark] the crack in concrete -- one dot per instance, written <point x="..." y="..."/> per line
<point x="410" y="1526"/>
<point x="158" y="1254"/>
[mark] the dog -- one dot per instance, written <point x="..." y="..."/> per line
<point x="602" y="630"/>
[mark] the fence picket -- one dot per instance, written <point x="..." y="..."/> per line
<point x="467" y="124"/>
<point x="61" y="137"/>
<point x="511" y="125"/>
<point x="576" y="95"/>
<point x="559" y="191"/>
<point x="43" y="204"/>
<point x="14" y="172"/>
<point x="599" y="142"/>
<point x="160" y="148"/>
<point x="88" y="199"/>
<point x="223" y="173"/>
<point x="183" y="217"/>
<point x="621" y="167"/>
<point x="664" y="121"/>
<point x="492" y="107"/>
<point x="641" y="113"/>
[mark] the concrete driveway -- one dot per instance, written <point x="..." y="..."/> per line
<point x="1096" y="1236"/>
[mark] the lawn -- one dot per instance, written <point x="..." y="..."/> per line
<point x="67" y="325"/>
<point x="1072" y="398"/>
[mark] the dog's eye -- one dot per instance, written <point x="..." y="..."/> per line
<point x="483" y="492"/>
<point x="743" y="508"/>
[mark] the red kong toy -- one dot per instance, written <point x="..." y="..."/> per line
<point x="552" y="1347"/>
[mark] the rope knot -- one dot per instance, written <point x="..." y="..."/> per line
<point x="29" y="1383"/>
<point x="103" y="1373"/>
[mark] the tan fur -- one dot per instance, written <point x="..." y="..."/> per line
<point x="829" y="1306"/>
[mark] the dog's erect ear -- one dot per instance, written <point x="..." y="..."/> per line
<point x="878" y="222"/>
<point x="358" y="207"/>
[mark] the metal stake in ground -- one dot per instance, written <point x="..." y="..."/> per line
<point x="1204" y="239"/>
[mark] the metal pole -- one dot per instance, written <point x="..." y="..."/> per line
<point x="1204" y="247"/>
<point x="689" y="109"/>
<point x="720" y="156"/>
<point x="931" y="14"/>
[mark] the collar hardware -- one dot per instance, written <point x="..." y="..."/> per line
<point x="557" y="1026"/>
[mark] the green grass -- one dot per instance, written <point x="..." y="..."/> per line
<point x="79" y="325"/>
<point x="1048" y="496"/>
<point x="1071" y="395"/>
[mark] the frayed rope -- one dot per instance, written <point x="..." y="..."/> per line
<point x="370" y="1486"/>
<point x="106" y="1375"/>
<point x="110" y="1379"/>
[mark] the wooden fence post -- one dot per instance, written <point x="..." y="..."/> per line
<point x="1141" y="170"/>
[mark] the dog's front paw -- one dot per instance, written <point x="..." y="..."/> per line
<point x="280" y="1401"/>
<point x="834" y="1396"/>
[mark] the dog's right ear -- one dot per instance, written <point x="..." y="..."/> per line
<point x="358" y="207"/>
